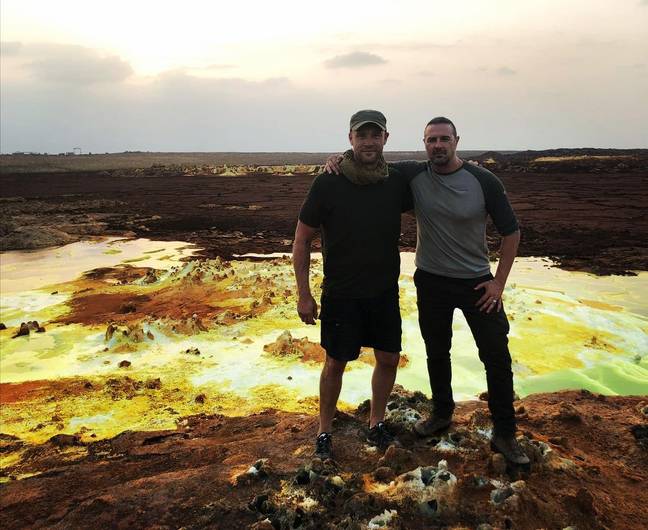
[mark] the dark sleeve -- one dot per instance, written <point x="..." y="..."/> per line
<point x="497" y="203"/>
<point x="408" y="168"/>
<point x="313" y="207"/>
<point x="407" y="199"/>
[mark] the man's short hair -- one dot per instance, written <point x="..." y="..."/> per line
<point x="443" y="119"/>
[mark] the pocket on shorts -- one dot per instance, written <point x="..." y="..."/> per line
<point x="339" y="329"/>
<point x="339" y="339"/>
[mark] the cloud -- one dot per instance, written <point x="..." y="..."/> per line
<point x="412" y="46"/>
<point x="426" y="73"/>
<point x="185" y="82"/>
<point x="78" y="65"/>
<point x="67" y="64"/>
<point x="209" y="70"/>
<point x="506" y="71"/>
<point x="390" y="82"/>
<point x="354" y="60"/>
<point x="219" y="66"/>
<point x="643" y="3"/>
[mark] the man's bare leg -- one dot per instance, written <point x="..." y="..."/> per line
<point x="382" y="382"/>
<point x="330" y="386"/>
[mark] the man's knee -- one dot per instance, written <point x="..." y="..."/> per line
<point x="496" y="357"/>
<point x="436" y="351"/>
<point x="387" y="359"/>
<point x="333" y="367"/>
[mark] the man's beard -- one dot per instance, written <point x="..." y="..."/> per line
<point x="440" y="158"/>
<point x="368" y="157"/>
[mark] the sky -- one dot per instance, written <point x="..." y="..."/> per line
<point x="287" y="75"/>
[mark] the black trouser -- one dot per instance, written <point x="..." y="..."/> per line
<point x="437" y="297"/>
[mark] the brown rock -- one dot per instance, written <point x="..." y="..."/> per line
<point x="65" y="440"/>
<point x="2" y="326"/>
<point x="22" y="331"/>
<point x="498" y="464"/>
<point x="480" y="419"/>
<point x="200" y="398"/>
<point x="262" y="525"/>
<point x="562" y="441"/>
<point x="585" y="501"/>
<point x="10" y="443"/>
<point x="362" y="504"/>
<point x="384" y="474"/>
<point x="127" y="307"/>
<point x="316" y="465"/>
<point x="110" y="331"/>
<point x="153" y="384"/>
<point x="567" y="412"/>
<point x="124" y="364"/>
<point x="397" y="458"/>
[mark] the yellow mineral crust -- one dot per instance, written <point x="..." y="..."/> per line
<point x="137" y="347"/>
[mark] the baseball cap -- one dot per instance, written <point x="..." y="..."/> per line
<point x="363" y="117"/>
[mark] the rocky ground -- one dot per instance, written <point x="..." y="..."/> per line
<point x="586" y="211"/>
<point x="589" y="468"/>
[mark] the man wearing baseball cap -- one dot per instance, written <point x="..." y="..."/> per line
<point x="358" y="213"/>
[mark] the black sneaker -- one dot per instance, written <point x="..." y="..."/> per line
<point x="380" y="437"/>
<point x="432" y="425"/>
<point x="510" y="449"/>
<point x="324" y="446"/>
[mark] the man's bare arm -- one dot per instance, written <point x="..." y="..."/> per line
<point x="508" y="251"/>
<point x="493" y="289"/>
<point x="306" y="305"/>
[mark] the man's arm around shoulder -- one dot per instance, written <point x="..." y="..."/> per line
<point x="408" y="169"/>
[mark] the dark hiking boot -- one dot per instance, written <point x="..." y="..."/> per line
<point x="432" y="425"/>
<point x="324" y="446"/>
<point x="380" y="437"/>
<point x="510" y="449"/>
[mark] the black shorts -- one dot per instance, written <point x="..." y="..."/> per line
<point x="349" y="323"/>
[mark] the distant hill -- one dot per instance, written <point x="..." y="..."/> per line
<point x="578" y="160"/>
<point x="35" y="163"/>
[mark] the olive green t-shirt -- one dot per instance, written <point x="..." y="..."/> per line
<point x="360" y="226"/>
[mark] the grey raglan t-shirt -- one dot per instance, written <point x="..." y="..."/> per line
<point x="451" y="213"/>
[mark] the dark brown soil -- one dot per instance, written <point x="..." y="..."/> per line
<point x="587" y="221"/>
<point x="188" y="477"/>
